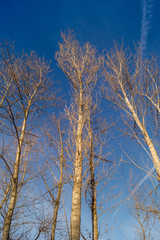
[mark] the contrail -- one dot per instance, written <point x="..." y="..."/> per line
<point x="117" y="210"/>
<point x="136" y="188"/>
<point x="147" y="14"/>
<point x="141" y="182"/>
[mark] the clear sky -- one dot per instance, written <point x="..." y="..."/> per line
<point x="36" y="25"/>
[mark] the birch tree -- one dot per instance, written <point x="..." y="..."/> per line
<point x="80" y="64"/>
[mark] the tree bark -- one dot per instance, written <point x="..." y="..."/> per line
<point x="76" y="194"/>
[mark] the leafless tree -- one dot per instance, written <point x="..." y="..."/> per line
<point x="81" y="65"/>
<point x="133" y="85"/>
<point x="54" y="166"/>
<point x="28" y="76"/>
<point x="100" y="170"/>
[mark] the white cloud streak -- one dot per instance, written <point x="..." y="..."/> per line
<point x="117" y="210"/>
<point x="141" y="182"/>
<point x="147" y="14"/>
<point x="136" y="188"/>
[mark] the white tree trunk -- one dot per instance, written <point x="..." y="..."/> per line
<point x="155" y="158"/>
<point x="12" y="203"/>
<point x="77" y="185"/>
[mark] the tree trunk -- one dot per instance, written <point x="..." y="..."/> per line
<point x="155" y="158"/>
<point x="55" y="214"/>
<point x="54" y="223"/>
<point x="12" y="203"/>
<point x="77" y="185"/>
<point x="93" y="190"/>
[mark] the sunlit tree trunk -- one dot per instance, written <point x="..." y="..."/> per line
<point x="80" y="64"/>
<point x="134" y="88"/>
<point x="76" y="195"/>
<point x="141" y="126"/>
<point x="20" y="102"/>
<point x="11" y="206"/>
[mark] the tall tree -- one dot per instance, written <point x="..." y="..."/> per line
<point x="133" y="85"/>
<point x="29" y="76"/>
<point x="100" y="169"/>
<point x="80" y="64"/>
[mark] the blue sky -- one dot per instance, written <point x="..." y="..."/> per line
<point x="36" y="25"/>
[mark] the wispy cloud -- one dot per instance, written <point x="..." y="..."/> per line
<point x="147" y="14"/>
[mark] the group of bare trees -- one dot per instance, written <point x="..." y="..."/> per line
<point x="44" y="157"/>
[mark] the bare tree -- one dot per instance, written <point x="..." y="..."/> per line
<point x="100" y="169"/>
<point x="29" y="76"/>
<point x="80" y="64"/>
<point x="132" y="84"/>
<point x="54" y="160"/>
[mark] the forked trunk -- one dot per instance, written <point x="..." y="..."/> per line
<point x="55" y="214"/>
